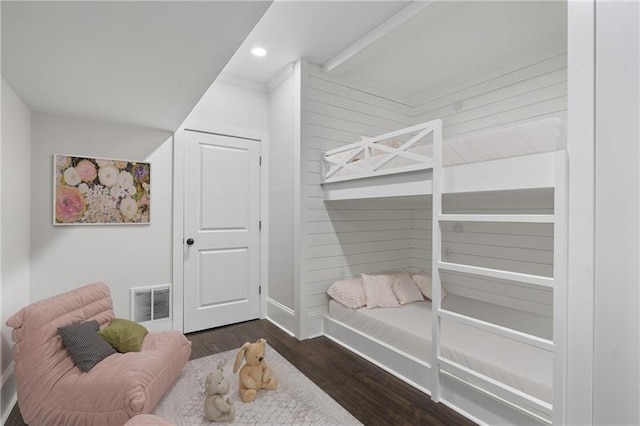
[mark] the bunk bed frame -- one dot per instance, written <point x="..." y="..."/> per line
<point x="369" y="178"/>
<point x="473" y="394"/>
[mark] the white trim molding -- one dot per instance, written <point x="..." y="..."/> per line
<point x="242" y="81"/>
<point x="8" y="395"/>
<point x="178" y="213"/>
<point x="315" y="324"/>
<point x="6" y="375"/>
<point x="581" y="213"/>
<point x="374" y="35"/>
<point x="281" y="76"/>
<point x="281" y="315"/>
<point x="178" y="231"/>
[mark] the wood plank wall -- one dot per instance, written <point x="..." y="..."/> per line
<point x="527" y="88"/>
<point x="345" y="238"/>
<point x="421" y="233"/>
<point x="517" y="247"/>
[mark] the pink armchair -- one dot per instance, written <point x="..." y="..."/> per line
<point x="53" y="391"/>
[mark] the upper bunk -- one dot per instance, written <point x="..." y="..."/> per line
<point x="401" y="163"/>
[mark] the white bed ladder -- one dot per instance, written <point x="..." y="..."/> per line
<point x="527" y="404"/>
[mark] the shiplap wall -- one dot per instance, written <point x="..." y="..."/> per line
<point x="518" y="247"/>
<point x="345" y="238"/>
<point x="528" y="88"/>
<point x="533" y="86"/>
<point x="421" y="236"/>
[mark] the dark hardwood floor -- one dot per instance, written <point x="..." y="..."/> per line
<point x="369" y="393"/>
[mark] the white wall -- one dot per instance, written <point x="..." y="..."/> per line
<point x="517" y="247"/>
<point x="231" y="105"/>
<point x="3" y="373"/>
<point x="617" y="276"/>
<point x="15" y="205"/>
<point x="529" y="87"/>
<point x="344" y="239"/>
<point x="123" y="256"/>
<point x="281" y="305"/>
<point x="421" y="233"/>
<point x="581" y="214"/>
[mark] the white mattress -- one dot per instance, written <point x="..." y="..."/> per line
<point x="408" y="328"/>
<point x="524" y="139"/>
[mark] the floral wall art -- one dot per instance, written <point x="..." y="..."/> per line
<point x="100" y="191"/>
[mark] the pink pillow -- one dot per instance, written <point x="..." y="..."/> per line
<point x="423" y="282"/>
<point x="348" y="292"/>
<point x="378" y="291"/>
<point x="405" y="289"/>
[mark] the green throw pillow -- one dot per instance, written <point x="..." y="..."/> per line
<point x="124" y="335"/>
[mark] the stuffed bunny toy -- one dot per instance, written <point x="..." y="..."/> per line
<point x="217" y="407"/>
<point x="254" y="374"/>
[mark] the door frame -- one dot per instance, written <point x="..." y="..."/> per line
<point x="178" y="215"/>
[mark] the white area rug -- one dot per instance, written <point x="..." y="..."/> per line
<point x="297" y="401"/>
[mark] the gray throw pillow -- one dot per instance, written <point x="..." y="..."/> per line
<point x="84" y="344"/>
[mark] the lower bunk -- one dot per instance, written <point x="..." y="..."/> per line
<point x="399" y="341"/>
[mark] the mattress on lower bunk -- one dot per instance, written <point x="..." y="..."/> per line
<point x="535" y="137"/>
<point x="408" y="329"/>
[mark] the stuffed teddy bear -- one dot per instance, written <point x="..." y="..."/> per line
<point x="254" y="374"/>
<point x="218" y="408"/>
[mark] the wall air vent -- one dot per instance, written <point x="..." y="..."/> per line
<point x="151" y="303"/>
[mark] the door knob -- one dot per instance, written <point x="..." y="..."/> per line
<point x="190" y="241"/>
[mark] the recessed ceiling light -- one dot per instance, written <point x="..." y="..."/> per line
<point x="259" y="51"/>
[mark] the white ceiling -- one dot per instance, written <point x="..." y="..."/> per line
<point x="141" y="63"/>
<point x="148" y="63"/>
<point x="316" y="30"/>
<point x="450" y="40"/>
<point x="445" y="41"/>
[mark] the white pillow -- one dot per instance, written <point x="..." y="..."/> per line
<point x="405" y="289"/>
<point x="424" y="284"/>
<point x="348" y="292"/>
<point x="378" y="291"/>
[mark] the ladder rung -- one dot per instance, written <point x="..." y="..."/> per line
<point x="538" y="408"/>
<point x="497" y="273"/>
<point x="507" y="218"/>
<point x="499" y="330"/>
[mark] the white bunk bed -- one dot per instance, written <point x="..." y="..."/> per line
<point x="482" y="384"/>
<point x="401" y="162"/>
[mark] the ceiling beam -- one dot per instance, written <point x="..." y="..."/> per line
<point x="339" y="60"/>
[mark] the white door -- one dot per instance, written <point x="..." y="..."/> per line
<point x="221" y="235"/>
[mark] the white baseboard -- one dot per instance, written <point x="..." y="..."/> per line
<point x="8" y="393"/>
<point x="281" y="316"/>
<point x="315" y="324"/>
<point x="280" y="327"/>
<point x="7" y="374"/>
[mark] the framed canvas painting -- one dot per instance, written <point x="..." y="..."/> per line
<point x="100" y="191"/>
